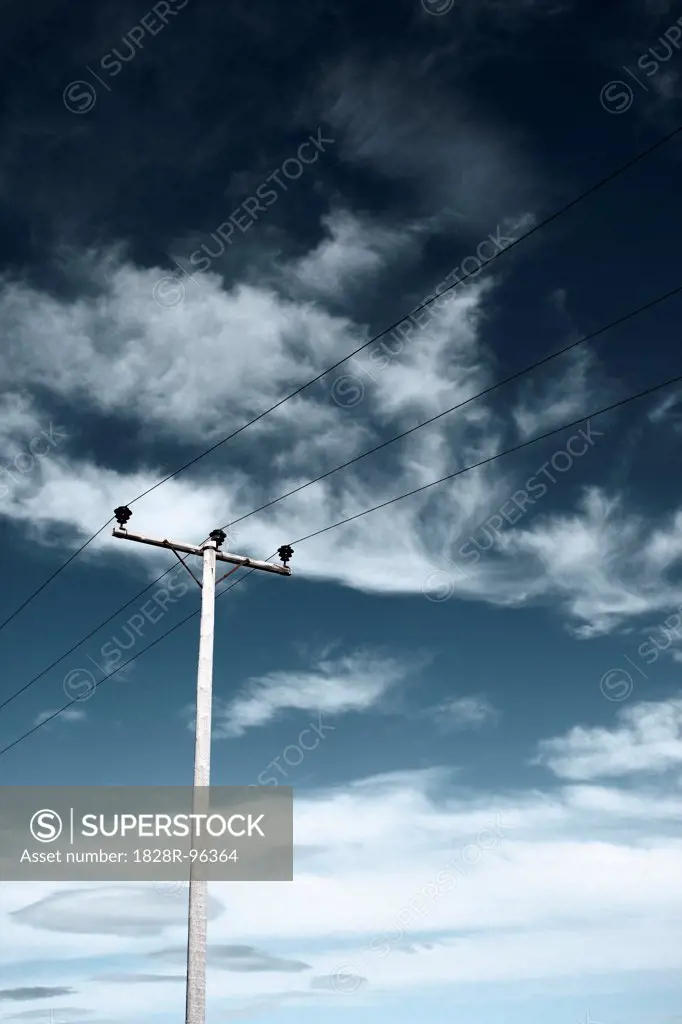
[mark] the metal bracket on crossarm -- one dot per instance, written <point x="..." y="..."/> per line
<point x="183" y="562"/>
<point x="198" y="582"/>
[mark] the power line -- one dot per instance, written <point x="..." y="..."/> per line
<point x="158" y="640"/>
<point x="54" y="575"/>
<point x="492" y="458"/>
<point x="460" y="405"/>
<point x="493" y="387"/>
<point x="541" y="224"/>
<point x="75" y="647"/>
<point x="359" y="515"/>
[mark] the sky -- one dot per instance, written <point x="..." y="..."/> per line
<point x="474" y="691"/>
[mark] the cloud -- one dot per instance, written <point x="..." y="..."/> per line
<point x="141" y="979"/>
<point x="562" y="395"/>
<point x="514" y="886"/>
<point x="618" y="803"/>
<point x="26" y="993"/>
<point x="667" y="410"/>
<point x="594" y="560"/>
<point x="99" y="911"/>
<point x="355" y="682"/>
<point x="43" y="1015"/>
<point x="440" y="372"/>
<point x="343" y="981"/>
<point x="19" y="423"/>
<point x="390" y="116"/>
<point x="237" y="958"/>
<point x="664" y="547"/>
<point x="648" y="739"/>
<point x="70" y="715"/>
<point x="464" y="713"/>
<point x="604" y="566"/>
<point x="353" y="252"/>
<point x="158" y="380"/>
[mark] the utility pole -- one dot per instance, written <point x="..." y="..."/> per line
<point x="210" y="553"/>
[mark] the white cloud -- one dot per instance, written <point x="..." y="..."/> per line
<point x="356" y="682"/>
<point x="123" y="354"/>
<point x="465" y="713"/>
<point x="438" y="366"/>
<point x="566" y="393"/>
<point x="602" y="564"/>
<point x="668" y="410"/>
<point x="353" y="252"/>
<point x="664" y="547"/>
<point x="95" y="909"/>
<point x="70" y="715"/>
<point x="645" y="803"/>
<point x="524" y="886"/>
<point x="127" y="357"/>
<point x="648" y="739"/>
<point x="19" y="423"/>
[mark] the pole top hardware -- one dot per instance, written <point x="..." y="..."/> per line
<point x="122" y="514"/>
<point x="285" y="553"/>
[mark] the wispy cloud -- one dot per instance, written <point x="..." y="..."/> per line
<point x="565" y="391"/>
<point x="355" y="682"/>
<point x="648" y="738"/>
<point x="592" y="559"/>
<point x="603" y="565"/>
<point x="668" y="410"/>
<point x="352" y="252"/>
<point x="70" y="715"/>
<point x="471" y="712"/>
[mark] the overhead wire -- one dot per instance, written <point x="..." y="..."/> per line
<point x="357" y="458"/>
<point x="643" y="154"/>
<point x="342" y="522"/>
<point x="461" y="405"/>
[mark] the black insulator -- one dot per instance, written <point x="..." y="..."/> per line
<point x="285" y="553"/>
<point x="122" y="514"/>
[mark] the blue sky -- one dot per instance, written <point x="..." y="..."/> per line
<point x="475" y="691"/>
